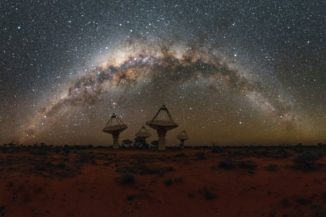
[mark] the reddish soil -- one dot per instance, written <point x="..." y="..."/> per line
<point x="176" y="183"/>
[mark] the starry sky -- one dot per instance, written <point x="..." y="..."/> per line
<point x="229" y="71"/>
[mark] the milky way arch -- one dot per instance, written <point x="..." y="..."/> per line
<point x="134" y="63"/>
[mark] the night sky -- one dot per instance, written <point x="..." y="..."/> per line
<point x="230" y="71"/>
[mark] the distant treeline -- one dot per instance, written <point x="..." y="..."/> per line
<point x="214" y="148"/>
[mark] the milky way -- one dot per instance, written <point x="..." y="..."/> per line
<point x="230" y="71"/>
<point x="156" y="65"/>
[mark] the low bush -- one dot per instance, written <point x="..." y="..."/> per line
<point x="143" y="169"/>
<point x="302" y="200"/>
<point x="200" y="156"/>
<point x="321" y="212"/>
<point x="208" y="194"/>
<point x="306" y="161"/>
<point x="249" y="165"/>
<point x="323" y="195"/>
<point x="131" y="197"/>
<point x="126" y="179"/>
<point x="226" y="165"/>
<point x="168" y="182"/>
<point x="271" y="167"/>
<point x="232" y="164"/>
<point x="217" y="149"/>
<point x="2" y="211"/>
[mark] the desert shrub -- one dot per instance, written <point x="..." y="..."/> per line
<point x="200" y="156"/>
<point x="232" y="164"/>
<point x="181" y="155"/>
<point x="124" y="169"/>
<point x="271" y="167"/>
<point x="38" y="151"/>
<point x="143" y="169"/>
<point x="208" y="194"/>
<point x="159" y="170"/>
<point x="126" y="179"/>
<point x="226" y="165"/>
<point x="302" y="200"/>
<point x="306" y="161"/>
<point x="323" y="195"/>
<point x="131" y="197"/>
<point x="66" y="149"/>
<point x="321" y="212"/>
<point x="50" y="165"/>
<point x="53" y="169"/>
<point x="38" y="190"/>
<point x="249" y="165"/>
<point x="218" y="149"/>
<point x="280" y="153"/>
<point x="61" y="165"/>
<point x="276" y="152"/>
<point x="168" y="182"/>
<point x="87" y="157"/>
<point x="2" y="211"/>
<point x="126" y="143"/>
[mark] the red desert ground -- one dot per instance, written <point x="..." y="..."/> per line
<point x="40" y="181"/>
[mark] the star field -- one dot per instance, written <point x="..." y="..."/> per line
<point x="231" y="72"/>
